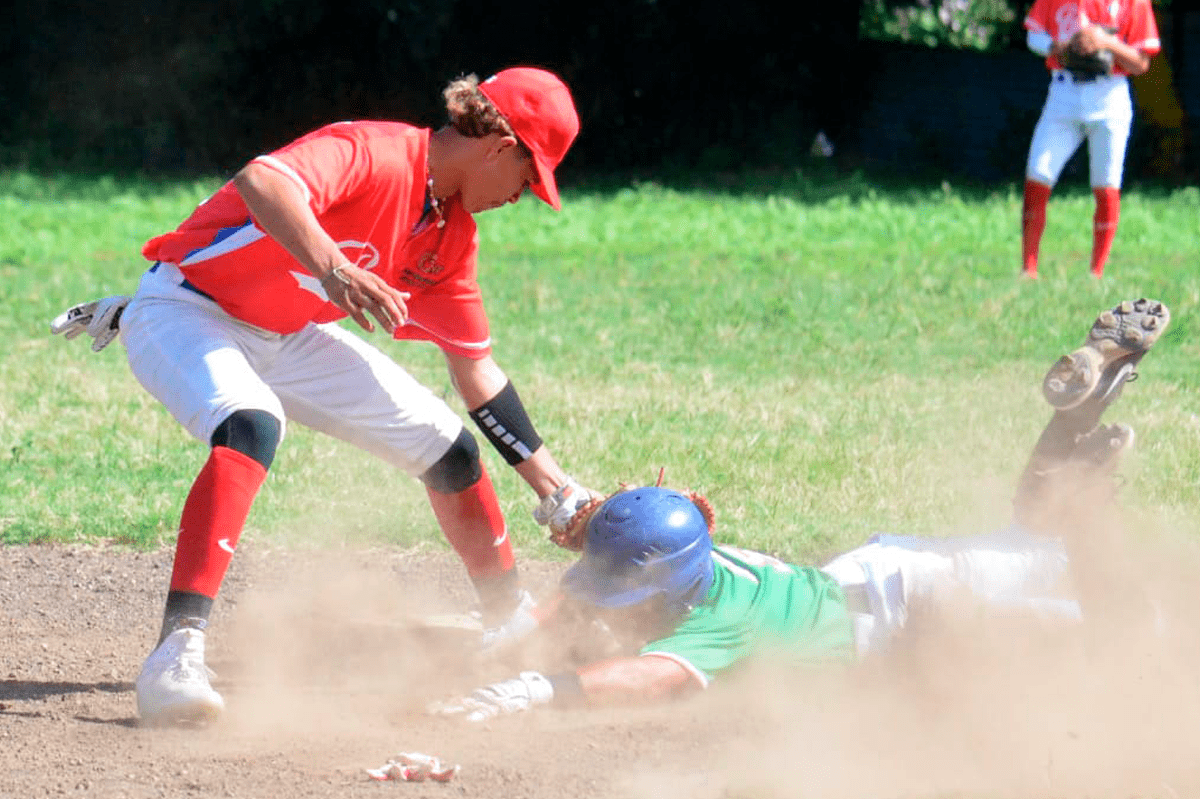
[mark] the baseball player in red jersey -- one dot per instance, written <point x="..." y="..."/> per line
<point x="1090" y="46"/>
<point x="232" y="329"/>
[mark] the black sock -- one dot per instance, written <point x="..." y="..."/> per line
<point x="185" y="609"/>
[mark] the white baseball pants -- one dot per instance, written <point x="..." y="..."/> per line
<point x="1100" y="111"/>
<point x="1010" y="571"/>
<point x="202" y="365"/>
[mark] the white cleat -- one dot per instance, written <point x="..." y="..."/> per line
<point x="173" y="688"/>
<point x="519" y="625"/>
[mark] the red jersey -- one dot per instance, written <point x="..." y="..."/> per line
<point x="366" y="183"/>
<point x="1133" y="19"/>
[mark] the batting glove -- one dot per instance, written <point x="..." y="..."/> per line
<point x="525" y="691"/>
<point x="100" y="319"/>
<point x="558" y="508"/>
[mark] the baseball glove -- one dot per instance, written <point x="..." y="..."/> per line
<point x="1077" y="62"/>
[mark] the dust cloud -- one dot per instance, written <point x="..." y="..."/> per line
<point x="329" y="643"/>
<point x="972" y="704"/>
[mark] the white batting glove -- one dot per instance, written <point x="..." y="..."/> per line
<point x="525" y="691"/>
<point x="557" y="509"/>
<point x="100" y="319"/>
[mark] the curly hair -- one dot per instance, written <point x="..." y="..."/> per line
<point x="472" y="114"/>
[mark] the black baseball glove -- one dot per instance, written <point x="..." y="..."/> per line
<point x="1075" y="61"/>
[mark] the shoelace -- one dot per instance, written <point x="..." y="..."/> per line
<point x="187" y="671"/>
<point x="188" y="665"/>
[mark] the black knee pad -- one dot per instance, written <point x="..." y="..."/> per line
<point x="253" y="433"/>
<point x="458" y="469"/>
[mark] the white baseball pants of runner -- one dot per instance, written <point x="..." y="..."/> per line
<point x="203" y="364"/>
<point x="1100" y="111"/>
<point x="1010" y="571"/>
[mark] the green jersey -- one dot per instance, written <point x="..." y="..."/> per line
<point x="758" y="604"/>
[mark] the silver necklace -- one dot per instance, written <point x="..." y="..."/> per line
<point x="434" y="204"/>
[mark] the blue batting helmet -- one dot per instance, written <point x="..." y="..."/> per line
<point x="640" y="544"/>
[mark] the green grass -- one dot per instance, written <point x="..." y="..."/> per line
<point x="823" y="356"/>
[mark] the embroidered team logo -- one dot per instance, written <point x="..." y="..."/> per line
<point x="1069" y="19"/>
<point x="428" y="264"/>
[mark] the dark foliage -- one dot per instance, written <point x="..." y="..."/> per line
<point x="184" y="86"/>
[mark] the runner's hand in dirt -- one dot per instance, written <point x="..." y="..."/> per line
<point x="357" y="291"/>
<point x="519" y="694"/>
<point x="100" y="319"/>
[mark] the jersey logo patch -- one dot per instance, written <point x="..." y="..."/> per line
<point x="362" y="254"/>
<point x="1067" y="20"/>
<point x="429" y="264"/>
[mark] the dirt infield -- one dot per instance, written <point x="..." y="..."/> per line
<point x="322" y="682"/>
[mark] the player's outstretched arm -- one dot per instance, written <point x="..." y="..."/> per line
<point x="631" y="679"/>
<point x="621" y="680"/>
<point x="500" y="414"/>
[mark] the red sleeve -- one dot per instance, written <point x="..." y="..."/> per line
<point x="1142" y="29"/>
<point x="1040" y="18"/>
<point x="329" y="165"/>
<point x="455" y="322"/>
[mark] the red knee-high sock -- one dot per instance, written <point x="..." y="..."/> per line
<point x="213" y="517"/>
<point x="1033" y="224"/>
<point x="473" y="524"/>
<point x="1104" y="225"/>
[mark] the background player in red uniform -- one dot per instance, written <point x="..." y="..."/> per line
<point x="1085" y="100"/>
<point x="232" y="330"/>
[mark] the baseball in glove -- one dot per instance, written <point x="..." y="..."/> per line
<point x="1086" y="65"/>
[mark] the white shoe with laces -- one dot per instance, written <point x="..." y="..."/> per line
<point x="173" y="686"/>
<point x="519" y="625"/>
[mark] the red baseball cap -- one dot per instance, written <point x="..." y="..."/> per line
<point x="538" y="106"/>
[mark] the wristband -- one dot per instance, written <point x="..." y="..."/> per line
<point x="568" y="688"/>
<point x="504" y="422"/>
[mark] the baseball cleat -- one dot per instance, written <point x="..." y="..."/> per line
<point x="519" y="625"/>
<point x="1117" y="341"/>
<point x="173" y="687"/>
<point x="1104" y="445"/>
